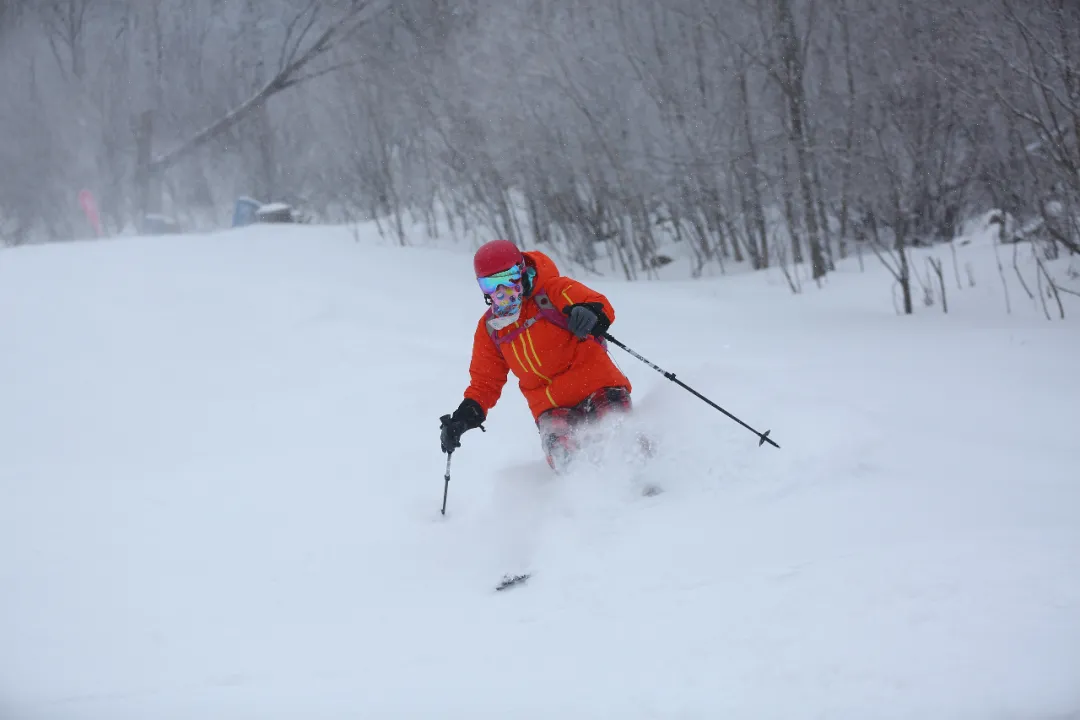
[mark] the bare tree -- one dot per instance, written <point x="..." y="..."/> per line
<point x="65" y="23"/>
<point x="311" y="34"/>
<point x="616" y="133"/>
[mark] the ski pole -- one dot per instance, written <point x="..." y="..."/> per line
<point x="671" y="376"/>
<point x="446" y="481"/>
<point x="445" y="420"/>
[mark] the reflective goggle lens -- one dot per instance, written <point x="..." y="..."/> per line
<point x="507" y="278"/>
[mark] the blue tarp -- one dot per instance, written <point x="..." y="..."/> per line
<point x="244" y="213"/>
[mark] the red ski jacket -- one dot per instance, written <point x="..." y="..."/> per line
<point x="553" y="367"/>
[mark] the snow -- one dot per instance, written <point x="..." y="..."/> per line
<point x="271" y="208"/>
<point x="220" y="486"/>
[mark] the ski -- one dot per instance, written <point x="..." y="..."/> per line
<point x="510" y="581"/>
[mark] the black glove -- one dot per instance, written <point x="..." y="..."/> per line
<point x="469" y="415"/>
<point x="587" y="319"/>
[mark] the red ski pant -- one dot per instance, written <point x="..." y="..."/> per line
<point x="557" y="425"/>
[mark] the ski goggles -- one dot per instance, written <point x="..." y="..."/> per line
<point x="507" y="278"/>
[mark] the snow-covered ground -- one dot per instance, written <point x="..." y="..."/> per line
<point x="220" y="484"/>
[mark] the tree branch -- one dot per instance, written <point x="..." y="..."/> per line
<point x="289" y="75"/>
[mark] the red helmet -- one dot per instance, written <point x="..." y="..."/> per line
<point x="496" y="256"/>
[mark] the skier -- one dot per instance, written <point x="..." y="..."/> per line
<point x="548" y="330"/>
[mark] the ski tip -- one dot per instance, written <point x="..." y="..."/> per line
<point x="510" y="581"/>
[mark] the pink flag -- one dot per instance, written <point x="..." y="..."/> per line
<point x="89" y="206"/>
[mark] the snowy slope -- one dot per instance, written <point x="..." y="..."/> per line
<point x="220" y="486"/>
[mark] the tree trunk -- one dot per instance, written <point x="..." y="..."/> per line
<point x="753" y="180"/>
<point x="147" y="177"/>
<point x="789" y="213"/>
<point x="905" y="272"/>
<point x="796" y="106"/>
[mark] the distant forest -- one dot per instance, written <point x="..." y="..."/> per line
<point x="762" y="132"/>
